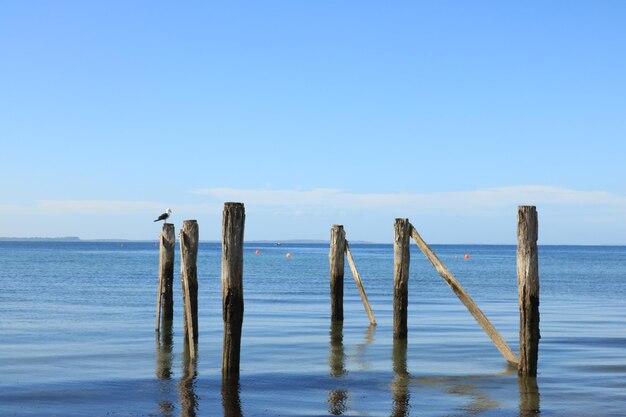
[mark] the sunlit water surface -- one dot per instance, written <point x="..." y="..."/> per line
<point x="78" y="339"/>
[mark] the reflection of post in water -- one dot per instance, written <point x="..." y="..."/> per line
<point x="336" y="359"/>
<point x="186" y="388"/>
<point x="164" y="363"/>
<point x="528" y="396"/>
<point x="359" y="350"/>
<point x="164" y="350"/>
<point x="337" y="399"/>
<point x="230" y="396"/>
<point x="400" y="384"/>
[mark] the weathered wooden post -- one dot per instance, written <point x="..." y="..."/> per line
<point x="359" y="284"/>
<point x="165" y="298"/>
<point x="336" y="260"/>
<point x="233" y="221"/>
<point x="189" y="275"/>
<point x="528" y="289"/>
<point x="401" y="261"/>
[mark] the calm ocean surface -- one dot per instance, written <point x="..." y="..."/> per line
<point x="77" y="335"/>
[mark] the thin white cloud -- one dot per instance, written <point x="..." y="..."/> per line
<point x="483" y="215"/>
<point x="102" y="207"/>
<point x="327" y="201"/>
<point x="98" y="206"/>
<point x="482" y="199"/>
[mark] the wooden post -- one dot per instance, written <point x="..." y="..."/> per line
<point x="165" y="299"/>
<point x="359" y="284"/>
<point x="335" y="258"/>
<point x="528" y="289"/>
<point x="233" y="221"/>
<point x="189" y="275"/>
<point x="473" y="308"/>
<point x="401" y="261"/>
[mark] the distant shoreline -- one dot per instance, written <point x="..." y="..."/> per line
<point x="78" y="239"/>
<point x="41" y="239"/>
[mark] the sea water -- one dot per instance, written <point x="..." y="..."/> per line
<point x="77" y="335"/>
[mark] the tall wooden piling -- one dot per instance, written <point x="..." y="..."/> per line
<point x="401" y="261"/>
<point x="528" y="289"/>
<point x="232" y="285"/>
<point x="189" y="276"/>
<point x="336" y="261"/>
<point x="359" y="284"/>
<point x="165" y="298"/>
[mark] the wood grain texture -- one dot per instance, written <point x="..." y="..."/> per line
<point x="401" y="262"/>
<point x="233" y="222"/>
<point x="336" y="261"/>
<point x="189" y="276"/>
<point x="528" y="289"/>
<point x="165" y="298"/>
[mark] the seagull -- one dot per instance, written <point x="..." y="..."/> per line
<point x="164" y="216"/>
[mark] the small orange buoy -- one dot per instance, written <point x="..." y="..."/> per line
<point x="288" y="255"/>
<point x="466" y="256"/>
<point x="257" y="252"/>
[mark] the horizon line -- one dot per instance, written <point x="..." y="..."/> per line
<point x="69" y="239"/>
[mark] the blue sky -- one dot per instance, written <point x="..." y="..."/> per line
<point x="312" y="113"/>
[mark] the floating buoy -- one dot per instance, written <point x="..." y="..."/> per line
<point x="466" y="256"/>
<point x="288" y="255"/>
<point x="257" y="252"/>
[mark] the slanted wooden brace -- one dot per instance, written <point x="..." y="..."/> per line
<point x="339" y="248"/>
<point x="359" y="285"/>
<point x="465" y="298"/>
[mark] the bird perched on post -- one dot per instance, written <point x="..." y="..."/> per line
<point x="164" y="216"/>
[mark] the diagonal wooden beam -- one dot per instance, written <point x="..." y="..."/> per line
<point x="473" y="308"/>
<point x="359" y="284"/>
